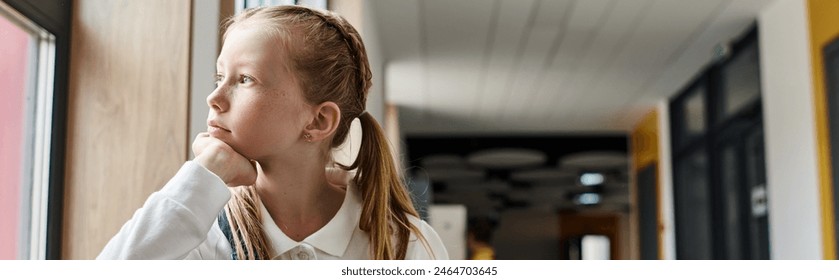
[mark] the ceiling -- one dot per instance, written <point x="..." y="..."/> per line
<point x="545" y="66"/>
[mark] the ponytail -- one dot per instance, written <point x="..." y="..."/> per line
<point x="386" y="204"/>
<point x="245" y="220"/>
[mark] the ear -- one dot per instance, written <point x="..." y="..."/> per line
<point x="325" y="122"/>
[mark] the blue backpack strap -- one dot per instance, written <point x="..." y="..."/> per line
<point x="224" y="224"/>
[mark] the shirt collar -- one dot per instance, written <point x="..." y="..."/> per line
<point x="333" y="238"/>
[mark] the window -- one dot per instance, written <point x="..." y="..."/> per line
<point x="246" y="4"/>
<point x="718" y="162"/>
<point x="688" y="113"/>
<point x="27" y="80"/>
<point x="693" y="207"/>
<point x="740" y="80"/>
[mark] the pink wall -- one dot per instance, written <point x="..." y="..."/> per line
<point x="13" y="54"/>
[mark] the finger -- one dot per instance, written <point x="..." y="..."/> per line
<point x="202" y="135"/>
<point x="202" y="140"/>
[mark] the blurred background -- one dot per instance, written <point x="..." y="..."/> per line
<point x="526" y="129"/>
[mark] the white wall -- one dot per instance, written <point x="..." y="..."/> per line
<point x="665" y="178"/>
<point x="370" y="35"/>
<point x="450" y="223"/>
<point x="791" y="163"/>
<point x="359" y="13"/>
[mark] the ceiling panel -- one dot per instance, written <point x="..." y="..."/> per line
<point x="456" y="39"/>
<point x="667" y="28"/>
<point x="507" y="33"/>
<point x="398" y="25"/>
<point x="399" y="31"/>
<point x="727" y="24"/>
<point x="545" y="66"/>
<point x="620" y="24"/>
<point x="544" y="38"/>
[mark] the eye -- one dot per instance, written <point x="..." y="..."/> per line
<point x="218" y="80"/>
<point x="245" y="79"/>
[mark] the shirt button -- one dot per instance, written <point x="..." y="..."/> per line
<point x="308" y="251"/>
<point x="302" y="255"/>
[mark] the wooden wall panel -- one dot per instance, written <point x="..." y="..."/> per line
<point x="127" y="113"/>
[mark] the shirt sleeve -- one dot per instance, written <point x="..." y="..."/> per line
<point x="432" y="249"/>
<point x="176" y="222"/>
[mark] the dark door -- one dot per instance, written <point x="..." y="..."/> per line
<point x="741" y="223"/>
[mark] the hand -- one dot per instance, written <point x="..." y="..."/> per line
<point x="218" y="157"/>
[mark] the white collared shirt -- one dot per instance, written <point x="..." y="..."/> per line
<point x="179" y="222"/>
<point x="341" y="237"/>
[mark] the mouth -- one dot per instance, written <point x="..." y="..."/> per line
<point x="213" y="127"/>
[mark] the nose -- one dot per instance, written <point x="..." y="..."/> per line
<point x="217" y="100"/>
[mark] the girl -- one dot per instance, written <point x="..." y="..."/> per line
<point x="290" y="81"/>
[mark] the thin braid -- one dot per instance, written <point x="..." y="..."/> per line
<point x="355" y="48"/>
<point x="358" y="54"/>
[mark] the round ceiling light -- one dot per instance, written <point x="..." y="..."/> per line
<point x="507" y="158"/>
<point x="443" y="160"/>
<point x="544" y="175"/>
<point x="595" y="160"/>
<point x="453" y="174"/>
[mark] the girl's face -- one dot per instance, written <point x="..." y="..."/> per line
<point x="257" y="107"/>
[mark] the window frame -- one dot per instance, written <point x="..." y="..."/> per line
<point x="54" y="16"/>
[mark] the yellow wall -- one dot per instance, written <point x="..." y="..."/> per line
<point x="644" y="141"/>
<point x="824" y="28"/>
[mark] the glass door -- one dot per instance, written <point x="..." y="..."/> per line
<point x="743" y="213"/>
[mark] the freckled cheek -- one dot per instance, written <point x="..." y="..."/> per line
<point x="263" y="120"/>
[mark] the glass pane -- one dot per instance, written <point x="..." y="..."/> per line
<point x="691" y="120"/>
<point x="755" y="160"/>
<point x="756" y="182"/>
<point x="741" y="80"/>
<point x="694" y="116"/>
<point x="575" y="248"/>
<point x="693" y="207"/>
<point x="260" y="3"/>
<point x="317" y="4"/>
<point x="731" y="199"/>
<point x="15" y="49"/>
<point x="245" y="4"/>
<point x="26" y="87"/>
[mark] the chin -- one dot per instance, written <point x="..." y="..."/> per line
<point x="236" y="146"/>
